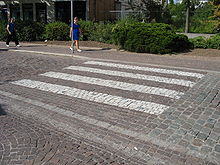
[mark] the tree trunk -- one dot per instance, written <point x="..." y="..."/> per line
<point x="187" y="21"/>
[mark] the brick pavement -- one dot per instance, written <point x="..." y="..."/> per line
<point x="28" y="142"/>
<point x="185" y="133"/>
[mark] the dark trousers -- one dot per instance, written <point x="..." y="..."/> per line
<point x="12" y="36"/>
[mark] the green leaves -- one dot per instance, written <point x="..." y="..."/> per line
<point x="29" y="30"/>
<point x="150" y="38"/>
<point x="201" y="42"/>
<point x="57" y="31"/>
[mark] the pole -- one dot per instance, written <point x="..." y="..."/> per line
<point x="72" y="45"/>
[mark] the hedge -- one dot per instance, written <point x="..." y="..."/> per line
<point x="3" y="32"/>
<point x="57" y="31"/>
<point x="30" y="30"/>
<point x="201" y="42"/>
<point x="150" y="38"/>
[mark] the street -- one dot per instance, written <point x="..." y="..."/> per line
<point x="104" y="106"/>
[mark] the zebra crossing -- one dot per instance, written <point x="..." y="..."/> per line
<point x="113" y="70"/>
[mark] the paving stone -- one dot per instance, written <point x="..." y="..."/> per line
<point x="202" y="136"/>
<point x="197" y="142"/>
<point x="174" y="138"/>
<point x="217" y="148"/>
<point x="181" y="131"/>
<point x="176" y="125"/>
<point x="214" y="136"/>
<point x="206" y="149"/>
<point x="183" y="143"/>
<point x="155" y="132"/>
<point x="210" y="142"/>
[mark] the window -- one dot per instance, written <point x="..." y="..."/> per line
<point x="28" y="12"/>
<point x="118" y="10"/>
<point x="3" y="12"/>
<point x="15" y="11"/>
<point x="41" y="12"/>
<point x="63" y="11"/>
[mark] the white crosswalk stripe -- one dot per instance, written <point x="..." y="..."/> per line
<point x="152" y="107"/>
<point x="132" y="104"/>
<point x="116" y="84"/>
<point x="165" y="71"/>
<point x="132" y="75"/>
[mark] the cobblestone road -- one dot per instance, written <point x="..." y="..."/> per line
<point x="83" y="110"/>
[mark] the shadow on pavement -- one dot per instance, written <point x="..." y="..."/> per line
<point x="90" y="50"/>
<point x="33" y="45"/>
<point x="3" y="49"/>
<point x="2" y="111"/>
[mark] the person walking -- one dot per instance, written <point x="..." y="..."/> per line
<point x="12" y="33"/>
<point x="75" y="31"/>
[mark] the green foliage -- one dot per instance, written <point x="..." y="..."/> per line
<point x="29" y="30"/>
<point x="102" y="33"/>
<point x="3" y="34"/>
<point x="177" y="12"/>
<point x="216" y="5"/>
<point x="203" y="12"/>
<point x="214" y="42"/>
<point x="150" y="9"/>
<point x="201" y="42"/>
<point x="87" y="28"/>
<point x="201" y="20"/>
<point x="133" y="17"/>
<point x="204" y="27"/>
<point x="57" y="31"/>
<point x="151" y="38"/>
<point x="97" y="31"/>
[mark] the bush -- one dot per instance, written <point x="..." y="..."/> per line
<point x="199" y="42"/>
<point x="203" y="27"/>
<point x="214" y="42"/>
<point x="87" y="28"/>
<point x="57" y="31"/>
<point x="102" y="33"/>
<point x="150" y="38"/>
<point x="29" y="30"/>
<point x="96" y="31"/>
<point x="3" y="34"/>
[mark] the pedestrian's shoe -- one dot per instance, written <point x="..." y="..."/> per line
<point x="78" y="50"/>
<point x="7" y="46"/>
<point x="18" y="45"/>
<point x="71" y="48"/>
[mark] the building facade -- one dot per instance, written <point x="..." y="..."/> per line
<point x="59" y="10"/>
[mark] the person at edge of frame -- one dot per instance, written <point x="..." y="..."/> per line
<point x="75" y="31"/>
<point x="11" y="32"/>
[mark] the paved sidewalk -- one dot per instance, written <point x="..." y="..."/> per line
<point x="43" y="124"/>
<point x="180" y="60"/>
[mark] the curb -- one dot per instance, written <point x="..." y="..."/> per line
<point x="65" y="46"/>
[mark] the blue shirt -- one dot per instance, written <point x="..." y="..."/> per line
<point x="11" y="27"/>
<point x="75" y="31"/>
<point x="76" y="28"/>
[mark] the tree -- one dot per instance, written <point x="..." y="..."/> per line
<point x="216" y="16"/>
<point x="190" y="5"/>
<point x="216" y="4"/>
<point x="177" y="15"/>
<point x="149" y="9"/>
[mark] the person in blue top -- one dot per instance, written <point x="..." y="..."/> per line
<point x="75" y="31"/>
<point x="11" y="33"/>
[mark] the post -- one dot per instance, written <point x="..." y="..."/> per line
<point x="72" y="45"/>
<point x="187" y="21"/>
